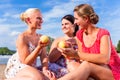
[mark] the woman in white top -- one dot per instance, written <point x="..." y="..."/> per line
<point x="22" y="65"/>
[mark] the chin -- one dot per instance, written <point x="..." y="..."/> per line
<point x="65" y="31"/>
<point x="39" y="27"/>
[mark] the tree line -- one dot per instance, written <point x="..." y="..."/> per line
<point x="118" y="47"/>
<point x="6" y="51"/>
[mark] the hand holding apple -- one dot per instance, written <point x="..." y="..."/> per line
<point x="66" y="49"/>
<point x="63" y="44"/>
<point x="44" y="39"/>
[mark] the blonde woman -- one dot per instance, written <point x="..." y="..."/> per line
<point x="22" y="65"/>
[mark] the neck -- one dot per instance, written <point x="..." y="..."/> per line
<point x="89" y="30"/>
<point x="31" y="31"/>
<point x="69" y="36"/>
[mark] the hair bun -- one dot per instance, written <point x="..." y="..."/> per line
<point x="22" y="17"/>
<point x="94" y="18"/>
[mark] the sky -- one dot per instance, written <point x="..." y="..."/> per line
<point x="53" y="10"/>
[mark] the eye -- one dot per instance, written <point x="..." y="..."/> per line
<point x="39" y="18"/>
<point x="66" y="23"/>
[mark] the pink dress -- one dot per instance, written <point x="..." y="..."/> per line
<point x="114" y="63"/>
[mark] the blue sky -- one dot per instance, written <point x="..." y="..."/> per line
<point x="53" y="11"/>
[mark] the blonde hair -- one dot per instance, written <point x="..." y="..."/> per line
<point x="87" y="10"/>
<point x="26" y="14"/>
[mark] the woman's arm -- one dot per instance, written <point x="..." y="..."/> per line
<point x="54" y="53"/>
<point x="24" y="53"/>
<point x="44" y="59"/>
<point x="99" y="58"/>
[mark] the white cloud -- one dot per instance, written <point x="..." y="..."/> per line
<point x="5" y="7"/>
<point x="115" y="12"/>
<point x="15" y="16"/>
<point x="3" y="20"/>
<point x="14" y="33"/>
<point x="4" y="30"/>
<point x="59" y="10"/>
<point x="11" y="15"/>
<point x="6" y="14"/>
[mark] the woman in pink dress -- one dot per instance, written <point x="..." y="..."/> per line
<point x="98" y="56"/>
<point x="95" y="45"/>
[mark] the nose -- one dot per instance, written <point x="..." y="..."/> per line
<point x="63" y="26"/>
<point x="75" y="22"/>
<point x="41" y="21"/>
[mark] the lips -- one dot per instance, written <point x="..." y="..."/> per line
<point x="39" y="26"/>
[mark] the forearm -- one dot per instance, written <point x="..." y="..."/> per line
<point x="32" y="56"/>
<point x="45" y="64"/>
<point x="94" y="58"/>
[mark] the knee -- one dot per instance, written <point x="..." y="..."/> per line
<point x="86" y="65"/>
<point x="35" y="74"/>
<point x="72" y="66"/>
<point x="36" y="77"/>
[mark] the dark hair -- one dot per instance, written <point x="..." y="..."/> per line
<point x="71" y="18"/>
<point x="76" y="29"/>
<point x="87" y="10"/>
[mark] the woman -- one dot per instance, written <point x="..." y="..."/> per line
<point x="22" y="65"/>
<point x="94" y="47"/>
<point x="57" y="60"/>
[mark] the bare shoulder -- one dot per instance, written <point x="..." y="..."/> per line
<point x="39" y="35"/>
<point x="55" y="42"/>
<point x="58" y="39"/>
<point x="21" y="39"/>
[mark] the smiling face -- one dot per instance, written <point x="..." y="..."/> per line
<point x="36" y="20"/>
<point x="33" y="18"/>
<point x="85" y="15"/>
<point x="67" y="27"/>
<point x="80" y="21"/>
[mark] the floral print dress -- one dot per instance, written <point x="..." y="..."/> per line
<point x="59" y="67"/>
<point x="14" y="64"/>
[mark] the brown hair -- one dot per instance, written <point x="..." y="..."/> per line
<point x="87" y="10"/>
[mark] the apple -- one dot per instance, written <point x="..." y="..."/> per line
<point x="62" y="44"/>
<point x="44" y="39"/>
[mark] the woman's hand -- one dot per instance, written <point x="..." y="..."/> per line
<point x="49" y="74"/>
<point x="40" y="44"/>
<point x="67" y="52"/>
